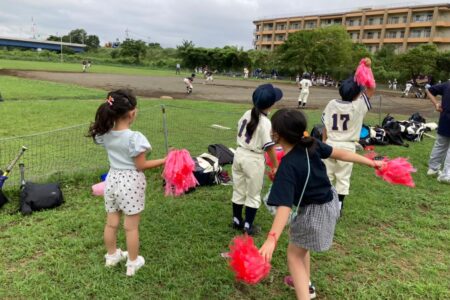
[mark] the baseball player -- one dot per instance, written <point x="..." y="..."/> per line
<point x="209" y="76"/>
<point x="253" y="139"/>
<point x="407" y="88"/>
<point x="188" y="81"/>
<point x="305" y="83"/>
<point x="343" y="120"/>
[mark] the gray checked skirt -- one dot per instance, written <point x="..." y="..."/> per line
<point x="313" y="228"/>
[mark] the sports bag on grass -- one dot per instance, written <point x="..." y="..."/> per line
<point x="36" y="196"/>
<point x="224" y="154"/>
<point x="207" y="169"/>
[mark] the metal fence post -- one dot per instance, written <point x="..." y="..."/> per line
<point x="379" y="113"/>
<point x="164" y="117"/>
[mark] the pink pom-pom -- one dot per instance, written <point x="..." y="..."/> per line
<point x="178" y="172"/>
<point x="397" y="171"/>
<point x="248" y="265"/>
<point x="279" y="153"/>
<point x="364" y="75"/>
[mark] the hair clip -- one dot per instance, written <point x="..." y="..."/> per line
<point x="110" y="100"/>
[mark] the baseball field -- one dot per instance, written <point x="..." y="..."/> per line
<point x="392" y="242"/>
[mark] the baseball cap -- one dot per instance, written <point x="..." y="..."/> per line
<point x="266" y="95"/>
<point x="349" y="89"/>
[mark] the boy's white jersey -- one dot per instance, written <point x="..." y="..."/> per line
<point x="305" y="84"/>
<point x="343" y="119"/>
<point x="261" y="138"/>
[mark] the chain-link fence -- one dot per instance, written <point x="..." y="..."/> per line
<point x="66" y="151"/>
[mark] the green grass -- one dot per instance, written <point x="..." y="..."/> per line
<point x="392" y="243"/>
<point x="72" y="67"/>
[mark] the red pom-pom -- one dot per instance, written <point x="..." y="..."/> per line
<point x="280" y="153"/>
<point x="178" y="172"/>
<point x="397" y="171"/>
<point x="364" y="75"/>
<point x="248" y="265"/>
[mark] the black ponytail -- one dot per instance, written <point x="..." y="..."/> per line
<point x="291" y="124"/>
<point x="117" y="105"/>
<point x="251" y="126"/>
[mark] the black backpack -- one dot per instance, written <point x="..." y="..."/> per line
<point x="394" y="133"/>
<point x="224" y="154"/>
<point x="417" y="118"/>
<point x="36" y="196"/>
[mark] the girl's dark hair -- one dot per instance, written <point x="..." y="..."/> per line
<point x="117" y="104"/>
<point x="290" y="124"/>
<point x="251" y="126"/>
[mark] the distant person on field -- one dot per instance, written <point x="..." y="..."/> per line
<point x="394" y="84"/>
<point x="209" y="76"/>
<point x="88" y="66"/>
<point x="343" y="120"/>
<point x="408" y="87"/>
<point x="178" y="69"/>
<point x="305" y="84"/>
<point x="246" y="72"/>
<point x="389" y="84"/>
<point x="84" y="65"/>
<point x="253" y="139"/>
<point x="188" y="81"/>
<point x="125" y="183"/>
<point x="440" y="155"/>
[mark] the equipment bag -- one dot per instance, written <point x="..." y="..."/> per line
<point x="207" y="169"/>
<point x="36" y="196"/>
<point x="224" y="154"/>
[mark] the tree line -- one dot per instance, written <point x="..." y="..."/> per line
<point x="322" y="50"/>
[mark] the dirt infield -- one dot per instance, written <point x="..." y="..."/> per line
<point x="225" y="90"/>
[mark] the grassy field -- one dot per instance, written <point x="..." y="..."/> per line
<point x="392" y="243"/>
<point x="72" y="67"/>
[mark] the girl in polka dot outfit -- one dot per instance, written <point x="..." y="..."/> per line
<point x="125" y="184"/>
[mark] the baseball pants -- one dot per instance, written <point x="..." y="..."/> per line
<point x="303" y="97"/>
<point x="248" y="174"/>
<point x="339" y="172"/>
<point x="441" y="155"/>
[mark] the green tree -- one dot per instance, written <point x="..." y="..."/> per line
<point x="321" y="50"/>
<point x="135" y="49"/>
<point x="418" y="60"/>
<point x="92" y="42"/>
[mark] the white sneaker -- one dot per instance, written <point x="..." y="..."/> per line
<point x="114" y="259"/>
<point x="433" y="173"/>
<point x="133" y="266"/>
<point x="444" y="179"/>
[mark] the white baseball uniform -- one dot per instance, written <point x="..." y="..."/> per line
<point x="248" y="164"/>
<point x="303" y="97"/>
<point x="343" y="121"/>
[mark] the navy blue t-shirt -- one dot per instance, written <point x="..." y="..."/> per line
<point x="444" y="118"/>
<point x="291" y="176"/>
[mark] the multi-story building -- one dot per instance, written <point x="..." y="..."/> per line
<point x="402" y="27"/>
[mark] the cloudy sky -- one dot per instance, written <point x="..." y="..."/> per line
<point x="208" y="23"/>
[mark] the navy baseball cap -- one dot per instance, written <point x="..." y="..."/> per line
<point x="266" y="95"/>
<point x="349" y="89"/>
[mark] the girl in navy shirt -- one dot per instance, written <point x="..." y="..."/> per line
<point x="301" y="181"/>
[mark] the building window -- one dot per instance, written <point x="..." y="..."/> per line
<point x="310" y="24"/>
<point x="393" y="20"/>
<point x="423" y="17"/>
<point x="295" y="26"/>
<point x="429" y="17"/>
<point x="405" y="19"/>
<point x="415" y="33"/>
<point x="402" y="34"/>
<point x="370" y="35"/>
<point x="427" y="32"/>
<point x="370" y="21"/>
<point x="280" y="37"/>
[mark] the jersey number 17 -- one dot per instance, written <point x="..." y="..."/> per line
<point x="344" y="118"/>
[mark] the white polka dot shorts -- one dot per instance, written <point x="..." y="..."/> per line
<point x="125" y="191"/>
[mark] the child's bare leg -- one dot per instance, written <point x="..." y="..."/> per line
<point x="131" y="226"/>
<point x="110" y="232"/>
<point x="298" y="262"/>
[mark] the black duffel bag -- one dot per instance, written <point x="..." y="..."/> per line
<point x="37" y="196"/>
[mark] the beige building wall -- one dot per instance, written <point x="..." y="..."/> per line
<point x="402" y="27"/>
